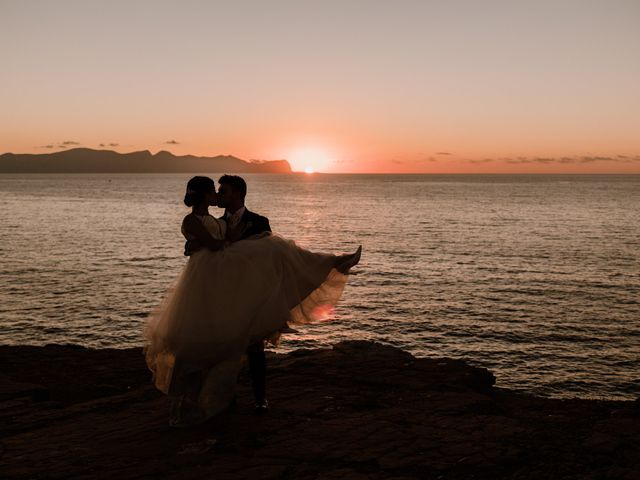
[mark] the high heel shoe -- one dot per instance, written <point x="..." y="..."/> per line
<point x="349" y="261"/>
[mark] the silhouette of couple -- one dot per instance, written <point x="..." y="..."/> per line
<point x="241" y="286"/>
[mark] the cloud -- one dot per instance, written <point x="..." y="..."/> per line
<point x="67" y="143"/>
<point x="444" y="153"/>
<point x="597" y="159"/>
<point x="425" y="160"/>
<point x="561" y="160"/>
<point x="544" y="160"/>
<point x="172" y="142"/>
<point x="414" y="161"/>
<point x="484" y="160"/>
<point x="46" y="146"/>
<point x="114" y="144"/>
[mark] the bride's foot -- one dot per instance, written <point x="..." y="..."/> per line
<point x="345" y="262"/>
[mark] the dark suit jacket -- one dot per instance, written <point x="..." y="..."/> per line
<point x="253" y="224"/>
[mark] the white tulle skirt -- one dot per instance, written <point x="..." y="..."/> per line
<point x="224" y="301"/>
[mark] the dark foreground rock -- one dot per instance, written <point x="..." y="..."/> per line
<point x="357" y="411"/>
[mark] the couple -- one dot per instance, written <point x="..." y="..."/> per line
<point x="241" y="286"/>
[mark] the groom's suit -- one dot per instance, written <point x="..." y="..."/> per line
<point x="253" y="224"/>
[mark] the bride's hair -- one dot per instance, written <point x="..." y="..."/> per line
<point x="197" y="188"/>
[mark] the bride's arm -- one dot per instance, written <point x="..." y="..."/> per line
<point x="194" y="226"/>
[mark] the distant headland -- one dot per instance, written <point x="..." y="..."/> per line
<point x="87" y="160"/>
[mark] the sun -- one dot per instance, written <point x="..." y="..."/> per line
<point x="309" y="160"/>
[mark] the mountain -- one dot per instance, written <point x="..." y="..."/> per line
<point x="87" y="160"/>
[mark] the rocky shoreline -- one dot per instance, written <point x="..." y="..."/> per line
<point x="360" y="410"/>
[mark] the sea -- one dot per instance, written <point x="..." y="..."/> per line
<point x="535" y="277"/>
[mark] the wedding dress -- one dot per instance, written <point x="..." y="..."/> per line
<point x="224" y="301"/>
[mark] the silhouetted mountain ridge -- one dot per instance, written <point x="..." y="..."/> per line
<point x="87" y="160"/>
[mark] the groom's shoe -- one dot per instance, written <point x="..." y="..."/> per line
<point x="262" y="407"/>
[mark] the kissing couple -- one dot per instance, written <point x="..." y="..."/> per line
<point x="241" y="286"/>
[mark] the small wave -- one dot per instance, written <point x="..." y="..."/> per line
<point x="150" y="259"/>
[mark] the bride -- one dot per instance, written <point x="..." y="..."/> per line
<point x="227" y="297"/>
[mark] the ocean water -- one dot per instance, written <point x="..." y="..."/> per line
<point x="534" y="277"/>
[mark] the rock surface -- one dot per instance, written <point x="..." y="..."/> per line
<point x="357" y="411"/>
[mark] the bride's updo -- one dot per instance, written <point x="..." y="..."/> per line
<point x="197" y="188"/>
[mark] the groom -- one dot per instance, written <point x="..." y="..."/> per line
<point x="242" y="224"/>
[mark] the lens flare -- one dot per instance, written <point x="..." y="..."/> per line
<point x="323" y="312"/>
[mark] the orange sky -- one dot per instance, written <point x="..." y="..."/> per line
<point x="355" y="86"/>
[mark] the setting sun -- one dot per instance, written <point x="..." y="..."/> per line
<point x="309" y="160"/>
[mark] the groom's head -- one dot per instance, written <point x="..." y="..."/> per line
<point x="232" y="191"/>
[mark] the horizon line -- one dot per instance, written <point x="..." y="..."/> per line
<point x="380" y="169"/>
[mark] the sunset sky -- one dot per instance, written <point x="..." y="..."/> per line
<point x="336" y="86"/>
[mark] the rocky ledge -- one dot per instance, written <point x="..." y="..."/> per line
<point x="357" y="411"/>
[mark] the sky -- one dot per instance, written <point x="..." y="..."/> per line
<point x="458" y="86"/>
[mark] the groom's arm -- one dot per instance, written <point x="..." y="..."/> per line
<point x="256" y="224"/>
<point x="267" y="227"/>
<point x="262" y="224"/>
<point x="259" y="224"/>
